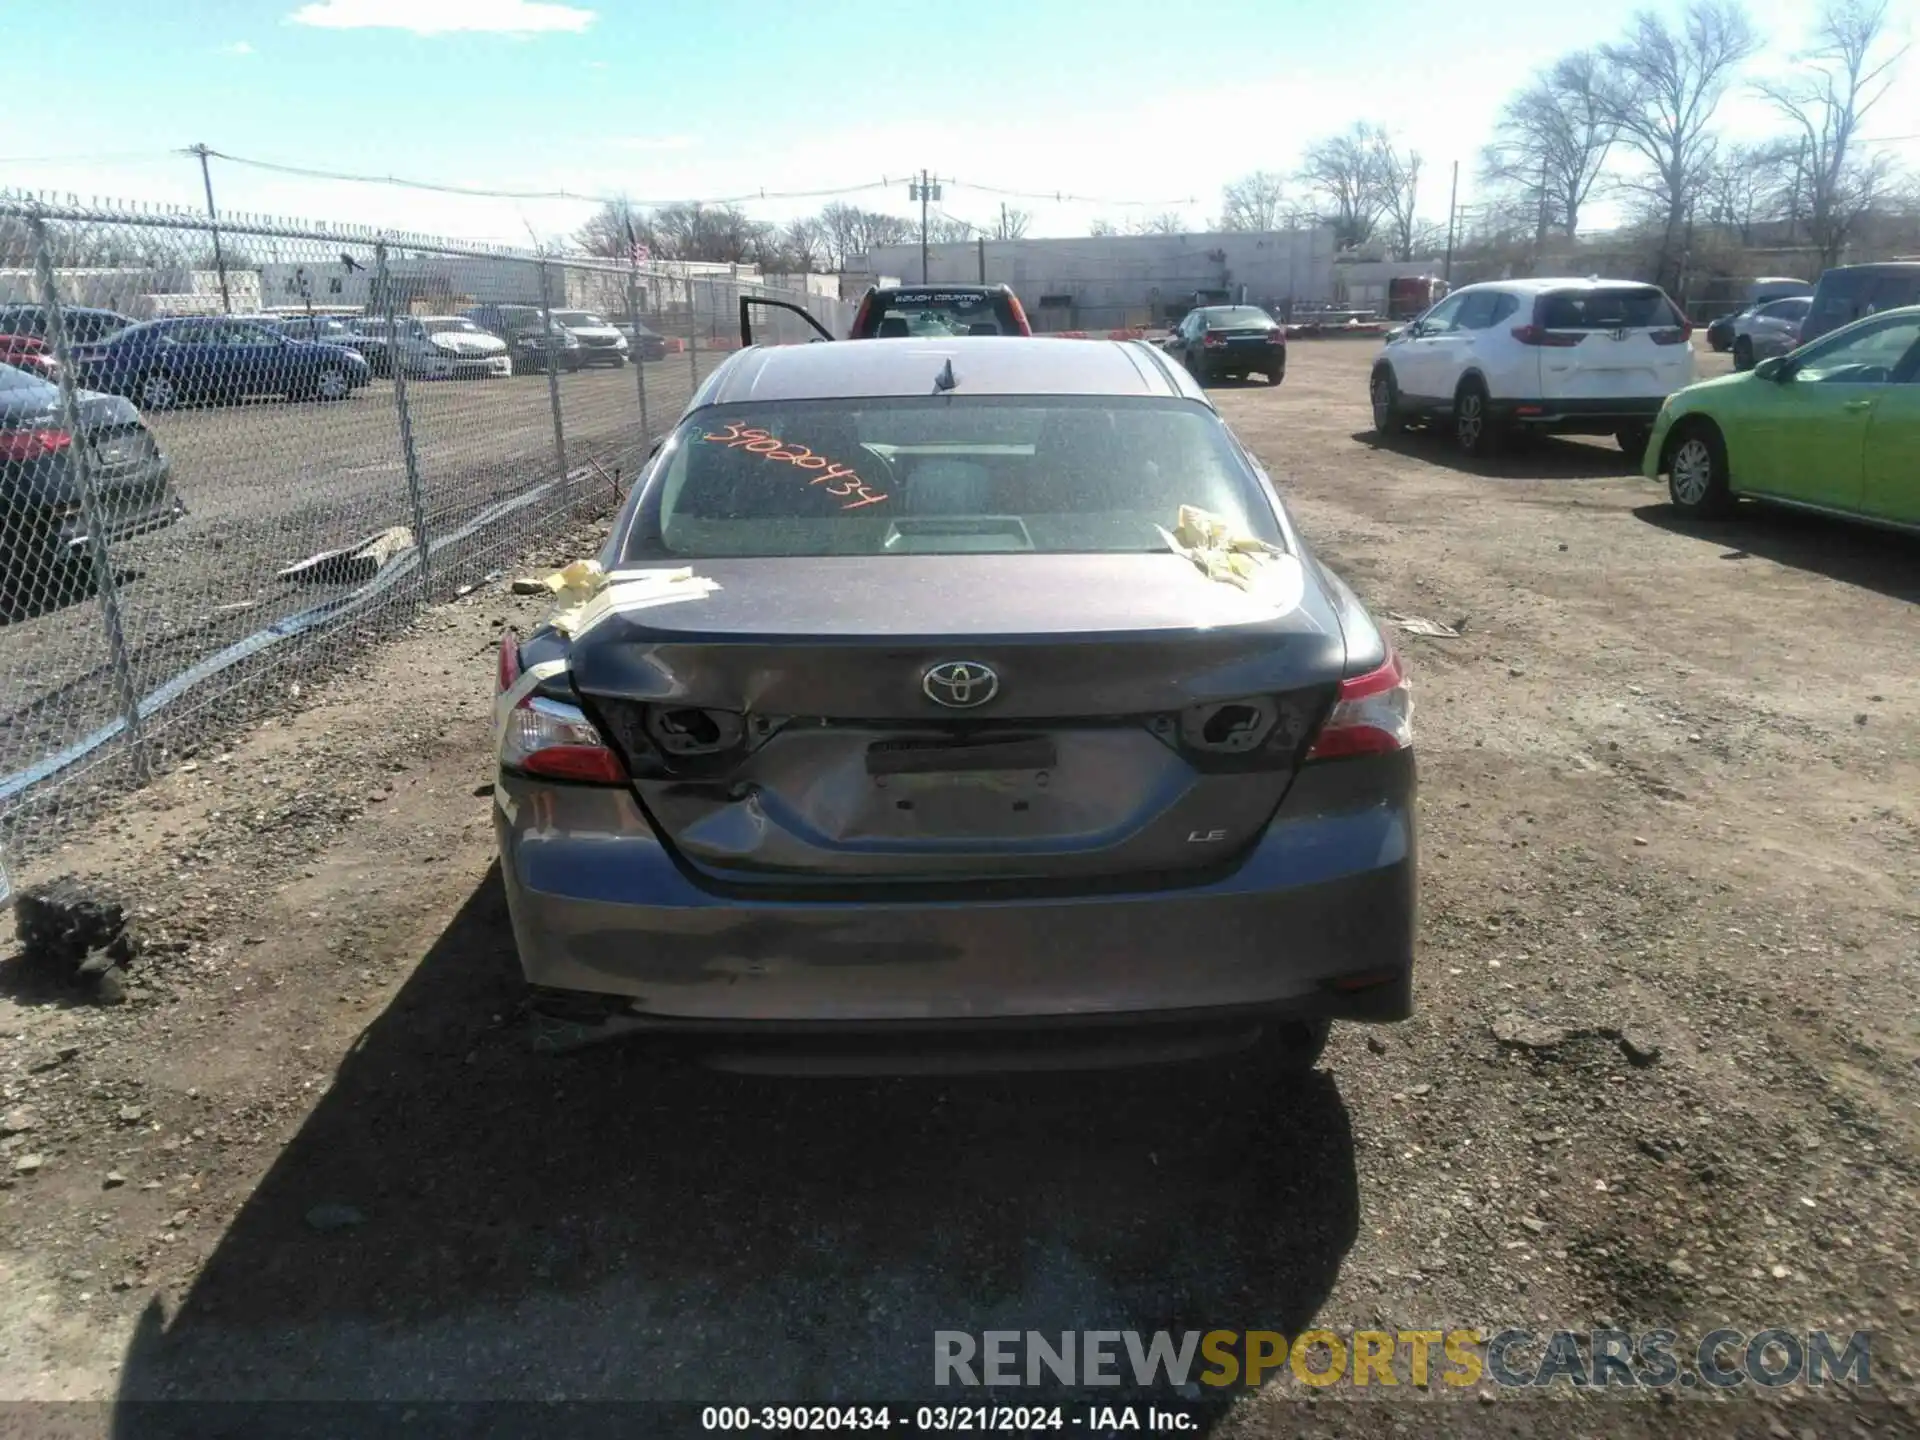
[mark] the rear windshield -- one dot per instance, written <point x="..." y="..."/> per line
<point x="451" y="327"/>
<point x="1846" y="295"/>
<point x="584" y="319"/>
<point x="938" y="312"/>
<point x="939" y="474"/>
<point x="1238" y="316"/>
<point x="1611" y="307"/>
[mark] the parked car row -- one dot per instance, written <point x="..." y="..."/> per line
<point x="1827" y="422"/>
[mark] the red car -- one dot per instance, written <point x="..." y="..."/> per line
<point x="29" y="353"/>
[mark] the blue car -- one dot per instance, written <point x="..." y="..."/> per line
<point x="163" y="363"/>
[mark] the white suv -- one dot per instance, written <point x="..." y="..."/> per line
<point x="1571" y="357"/>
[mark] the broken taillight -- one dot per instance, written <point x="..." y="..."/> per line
<point x="548" y="737"/>
<point x="1373" y="715"/>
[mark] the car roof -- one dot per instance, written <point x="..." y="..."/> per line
<point x="1897" y="267"/>
<point x="1540" y="284"/>
<point x="943" y="288"/>
<point x="982" y="365"/>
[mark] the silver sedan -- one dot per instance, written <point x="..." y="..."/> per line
<point x="1770" y="329"/>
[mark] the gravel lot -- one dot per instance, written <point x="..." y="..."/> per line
<point x="268" y="483"/>
<point x="1663" y="1070"/>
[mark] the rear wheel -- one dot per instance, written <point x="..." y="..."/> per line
<point x="332" y="383"/>
<point x="157" y="391"/>
<point x="1743" y="353"/>
<point x="1473" y="428"/>
<point x="1385" y="395"/>
<point x="1291" y="1047"/>
<point x="1275" y="376"/>
<point x="1633" y="441"/>
<point x="1697" y="478"/>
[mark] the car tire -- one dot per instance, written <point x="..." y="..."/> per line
<point x="1632" y="440"/>
<point x="1718" y="345"/>
<point x="1291" y="1047"/>
<point x="156" y="390"/>
<point x="330" y="383"/>
<point x="1473" y="428"/>
<point x="1696" y="464"/>
<point x="1384" y="395"/>
<point x="1743" y="353"/>
<point x="1274" y="377"/>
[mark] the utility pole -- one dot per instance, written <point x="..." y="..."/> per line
<point x="213" y="218"/>
<point x="1453" y="196"/>
<point x="1003" y="221"/>
<point x="924" y="192"/>
<point x="983" y="258"/>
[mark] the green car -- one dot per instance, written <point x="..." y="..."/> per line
<point x="1834" y="426"/>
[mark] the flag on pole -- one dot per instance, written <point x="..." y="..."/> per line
<point x="636" y="252"/>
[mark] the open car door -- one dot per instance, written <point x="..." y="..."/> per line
<point x="747" y="302"/>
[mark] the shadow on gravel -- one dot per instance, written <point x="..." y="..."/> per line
<point x="1530" y="457"/>
<point x="1878" y="560"/>
<point x="614" y="1225"/>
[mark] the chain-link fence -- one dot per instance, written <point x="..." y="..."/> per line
<point x="222" y="442"/>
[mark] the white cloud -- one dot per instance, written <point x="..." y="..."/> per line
<point x="596" y="64"/>
<point x="654" y="142"/>
<point x="238" y="47"/>
<point x="442" y="17"/>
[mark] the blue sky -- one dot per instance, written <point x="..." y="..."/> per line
<point x="1121" y="100"/>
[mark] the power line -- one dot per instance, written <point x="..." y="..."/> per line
<point x="1061" y="197"/>
<point x="87" y="159"/>
<point x="312" y="173"/>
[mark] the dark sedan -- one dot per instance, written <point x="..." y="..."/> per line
<point x="43" y="526"/>
<point x="352" y="332"/>
<point x="1230" y="342"/>
<point x="945" y="689"/>
<point x="163" y="363"/>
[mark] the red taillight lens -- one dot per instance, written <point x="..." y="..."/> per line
<point x="1678" y="336"/>
<point x="1372" y="716"/>
<point x="1276" y="337"/>
<point x="33" y="444"/>
<point x="554" y="739"/>
<point x="1020" y="322"/>
<point x="1540" y="335"/>
<point x="1210" y="339"/>
<point x="509" y="660"/>
<point x="860" y="315"/>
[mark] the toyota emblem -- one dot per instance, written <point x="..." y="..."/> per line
<point x="960" y="684"/>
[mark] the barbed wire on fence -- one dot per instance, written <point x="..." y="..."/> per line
<point x="232" y="441"/>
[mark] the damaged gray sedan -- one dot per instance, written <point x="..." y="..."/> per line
<point x="957" y="703"/>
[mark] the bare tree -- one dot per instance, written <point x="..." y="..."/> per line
<point x="1253" y="202"/>
<point x="1014" y="223"/>
<point x="848" y="231"/>
<point x="947" y="229"/>
<point x="1845" y="73"/>
<point x="1552" y="142"/>
<point x="1749" y="185"/>
<point x="1167" y="222"/>
<point x="1399" y="180"/>
<point x="1100" y="229"/>
<point x="1344" y="172"/>
<point x="606" y="234"/>
<point x="805" y="245"/>
<point x="1659" y="87"/>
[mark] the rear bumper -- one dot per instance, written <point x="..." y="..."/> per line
<point x="1263" y="361"/>
<point x="33" y="519"/>
<point x="1577" y="417"/>
<point x="1325" y="900"/>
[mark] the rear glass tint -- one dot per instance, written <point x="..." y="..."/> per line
<point x="934" y="311"/>
<point x="1613" y="307"/>
<point x="1238" y="317"/>
<point x="902" y="476"/>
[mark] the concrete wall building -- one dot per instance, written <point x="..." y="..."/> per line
<point x="1109" y="281"/>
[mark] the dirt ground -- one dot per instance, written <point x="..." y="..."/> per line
<point x="1671" y="822"/>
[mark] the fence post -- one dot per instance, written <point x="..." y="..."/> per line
<point x="639" y="356"/>
<point x="553" y="373"/>
<point x="693" y="335"/>
<point x="104" y="584"/>
<point x="408" y="454"/>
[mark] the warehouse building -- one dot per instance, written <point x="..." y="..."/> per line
<point x="1111" y="281"/>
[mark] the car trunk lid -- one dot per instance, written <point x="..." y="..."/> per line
<point x="842" y="720"/>
<point x="1609" y="342"/>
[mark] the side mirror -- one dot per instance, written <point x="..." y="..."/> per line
<point x="1774" y="367"/>
<point x="1413" y="331"/>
